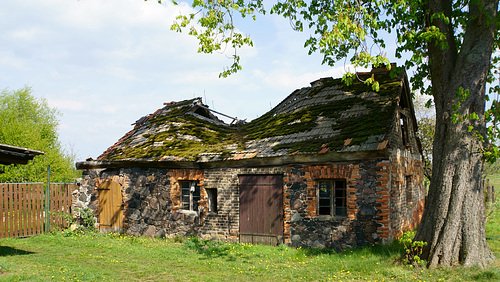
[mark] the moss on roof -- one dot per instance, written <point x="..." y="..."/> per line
<point x="354" y="111"/>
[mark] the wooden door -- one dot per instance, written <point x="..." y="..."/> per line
<point x="110" y="207"/>
<point x="261" y="209"/>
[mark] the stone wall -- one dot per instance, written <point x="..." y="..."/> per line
<point x="376" y="211"/>
<point x="304" y="227"/>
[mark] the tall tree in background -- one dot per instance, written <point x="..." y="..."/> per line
<point x="29" y="122"/>
<point x="426" y="121"/>
<point x="449" y="43"/>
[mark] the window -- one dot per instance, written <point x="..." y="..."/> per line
<point x="190" y="195"/>
<point x="409" y="190"/>
<point x="404" y="130"/>
<point x="212" y="200"/>
<point x="332" y="197"/>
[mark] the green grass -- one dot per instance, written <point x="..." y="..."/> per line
<point x="91" y="257"/>
<point x="113" y="257"/>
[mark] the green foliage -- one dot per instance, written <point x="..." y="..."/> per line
<point x="26" y="121"/>
<point x="413" y="249"/>
<point x="217" y="30"/>
<point x="86" y="218"/>
<point x="206" y="246"/>
<point x="83" y="222"/>
<point x="67" y="217"/>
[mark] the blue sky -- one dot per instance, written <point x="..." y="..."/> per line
<point x="105" y="63"/>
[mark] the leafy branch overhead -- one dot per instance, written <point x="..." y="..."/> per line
<point x="216" y="30"/>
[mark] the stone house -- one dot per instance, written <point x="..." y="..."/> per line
<point x="332" y="165"/>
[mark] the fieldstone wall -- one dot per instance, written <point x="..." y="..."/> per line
<point x="376" y="212"/>
<point x="305" y="227"/>
<point x="148" y="208"/>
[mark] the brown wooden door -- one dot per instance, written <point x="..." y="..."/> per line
<point x="261" y="208"/>
<point x="110" y="207"/>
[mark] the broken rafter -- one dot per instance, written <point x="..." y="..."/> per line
<point x="219" y="113"/>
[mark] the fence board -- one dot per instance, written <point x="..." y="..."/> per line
<point x="23" y="215"/>
<point x="39" y="209"/>
<point x="22" y="207"/>
<point x="2" y="209"/>
<point x="60" y="202"/>
<point x="11" y="210"/>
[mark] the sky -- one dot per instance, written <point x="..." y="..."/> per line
<point x="106" y="63"/>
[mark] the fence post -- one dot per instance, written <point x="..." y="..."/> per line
<point x="47" y="202"/>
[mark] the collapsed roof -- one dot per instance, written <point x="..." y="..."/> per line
<point x="327" y="118"/>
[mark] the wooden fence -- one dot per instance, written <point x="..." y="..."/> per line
<point x="60" y="202"/>
<point x="22" y="207"/>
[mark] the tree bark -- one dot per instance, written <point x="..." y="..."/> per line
<point x="453" y="222"/>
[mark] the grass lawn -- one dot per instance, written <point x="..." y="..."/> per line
<point x="113" y="257"/>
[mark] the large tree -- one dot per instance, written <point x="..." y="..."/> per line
<point x="449" y="44"/>
<point x="28" y="122"/>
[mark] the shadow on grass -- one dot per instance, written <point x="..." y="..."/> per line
<point x="492" y="237"/>
<point x="207" y="248"/>
<point x="212" y="249"/>
<point x="9" y="251"/>
<point x="395" y="248"/>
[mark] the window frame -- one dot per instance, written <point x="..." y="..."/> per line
<point x="405" y="136"/>
<point x="212" y="200"/>
<point x="335" y="185"/>
<point x="409" y="190"/>
<point x="194" y="195"/>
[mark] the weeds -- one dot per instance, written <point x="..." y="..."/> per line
<point x="413" y="249"/>
<point x="82" y="222"/>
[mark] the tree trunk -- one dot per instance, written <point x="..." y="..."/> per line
<point x="454" y="217"/>
<point x="453" y="222"/>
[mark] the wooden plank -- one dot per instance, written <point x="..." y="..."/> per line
<point x="21" y="203"/>
<point x="2" y="211"/>
<point x="25" y="209"/>
<point x="39" y="208"/>
<point x="11" y="210"/>
<point x="55" y="208"/>
<point x="110" y="213"/>
<point x="15" y="202"/>
<point x="52" y="205"/>
<point x="55" y="204"/>
<point x="262" y="239"/>
<point x="261" y="204"/>
<point x="36" y="210"/>
<point x="29" y="201"/>
<point x="65" y="201"/>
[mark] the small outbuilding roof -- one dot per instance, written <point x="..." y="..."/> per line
<point x="17" y="155"/>
<point x="327" y="121"/>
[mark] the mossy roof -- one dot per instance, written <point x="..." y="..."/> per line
<point x="328" y="116"/>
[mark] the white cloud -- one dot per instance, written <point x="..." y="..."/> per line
<point x="64" y="104"/>
<point x="287" y="78"/>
